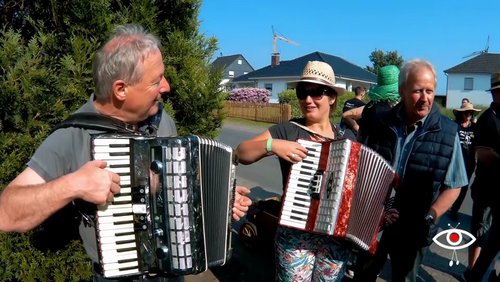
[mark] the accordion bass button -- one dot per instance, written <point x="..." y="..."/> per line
<point x="140" y="226"/>
<point x="158" y="232"/>
<point x="162" y="251"/>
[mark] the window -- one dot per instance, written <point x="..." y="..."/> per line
<point x="468" y="83"/>
<point x="269" y="86"/>
<point x="240" y="62"/>
<point x="231" y="73"/>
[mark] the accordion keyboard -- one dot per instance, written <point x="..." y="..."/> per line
<point x="115" y="220"/>
<point x="173" y="212"/>
<point x="298" y="193"/>
<point x="339" y="190"/>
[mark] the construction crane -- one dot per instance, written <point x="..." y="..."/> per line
<point x="275" y="58"/>
<point x="276" y="37"/>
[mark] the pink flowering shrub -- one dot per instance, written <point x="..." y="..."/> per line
<point x="253" y="95"/>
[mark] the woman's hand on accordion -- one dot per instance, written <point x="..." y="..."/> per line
<point x="289" y="150"/>
<point x="241" y="202"/>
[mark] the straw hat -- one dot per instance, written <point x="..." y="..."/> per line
<point x="466" y="107"/>
<point x="495" y="81"/>
<point x="387" y="84"/>
<point x="319" y="73"/>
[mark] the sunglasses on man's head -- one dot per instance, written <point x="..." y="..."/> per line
<point x="315" y="93"/>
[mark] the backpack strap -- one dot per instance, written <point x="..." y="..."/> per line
<point x="97" y="121"/>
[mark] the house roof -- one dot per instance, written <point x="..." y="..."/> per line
<point x="293" y="69"/>
<point x="483" y="63"/>
<point x="224" y="61"/>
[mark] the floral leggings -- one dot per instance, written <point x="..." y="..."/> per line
<point x="303" y="256"/>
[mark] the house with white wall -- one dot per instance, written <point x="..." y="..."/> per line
<point x="232" y="66"/>
<point x="278" y="76"/>
<point x="471" y="79"/>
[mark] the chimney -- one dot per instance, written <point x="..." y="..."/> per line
<point x="275" y="59"/>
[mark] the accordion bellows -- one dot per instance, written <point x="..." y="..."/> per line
<point x="173" y="213"/>
<point x="339" y="189"/>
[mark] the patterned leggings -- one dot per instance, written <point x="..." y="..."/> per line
<point x="302" y="256"/>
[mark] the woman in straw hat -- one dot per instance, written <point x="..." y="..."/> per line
<point x="464" y="117"/>
<point x="382" y="98"/>
<point x="303" y="256"/>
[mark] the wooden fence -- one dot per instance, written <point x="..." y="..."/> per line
<point x="272" y="113"/>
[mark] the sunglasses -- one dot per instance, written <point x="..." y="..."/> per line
<point x="315" y="93"/>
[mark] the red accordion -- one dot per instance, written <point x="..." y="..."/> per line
<point x="339" y="189"/>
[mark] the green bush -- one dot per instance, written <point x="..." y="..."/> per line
<point x="340" y="104"/>
<point x="288" y="97"/>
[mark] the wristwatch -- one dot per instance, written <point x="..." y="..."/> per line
<point x="430" y="217"/>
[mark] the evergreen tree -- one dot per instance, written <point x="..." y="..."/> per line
<point x="46" y="53"/>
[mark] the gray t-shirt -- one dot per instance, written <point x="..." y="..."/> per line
<point x="67" y="149"/>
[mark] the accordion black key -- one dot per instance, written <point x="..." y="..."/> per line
<point x="173" y="212"/>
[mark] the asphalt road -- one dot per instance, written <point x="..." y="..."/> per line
<point x="256" y="263"/>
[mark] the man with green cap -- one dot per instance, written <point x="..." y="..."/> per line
<point x="383" y="97"/>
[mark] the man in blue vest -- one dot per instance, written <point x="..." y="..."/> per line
<point x="424" y="149"/>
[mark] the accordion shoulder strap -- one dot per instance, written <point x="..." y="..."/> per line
<point x="97" y="121"/>
<point x="314" y="133"/>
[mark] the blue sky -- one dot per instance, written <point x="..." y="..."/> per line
<point x="440" y="31"/>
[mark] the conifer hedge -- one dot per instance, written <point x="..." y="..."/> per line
<point x="46" y="53"/>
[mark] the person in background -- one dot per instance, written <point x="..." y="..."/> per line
<point x="383" y="97"/>
<point x="129" y="77"/>
<point x="300" y="255"/>
<point x="485" y="192"/>
<point x="356" y="102"/>
<point x="464" y="117"/>
<point x="408" y="136"/>
<point x="464" y="101"/>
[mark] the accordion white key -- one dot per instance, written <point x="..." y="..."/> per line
<point x="173" y="212"/>
<point x="339" y="189"/>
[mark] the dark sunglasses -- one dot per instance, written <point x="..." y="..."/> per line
<point x="315" y="93"/>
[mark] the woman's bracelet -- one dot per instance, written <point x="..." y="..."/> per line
<point x="268" y="144"/>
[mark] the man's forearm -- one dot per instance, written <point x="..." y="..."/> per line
<point x="24" y="207"/>
<point x="444" y="201"/>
